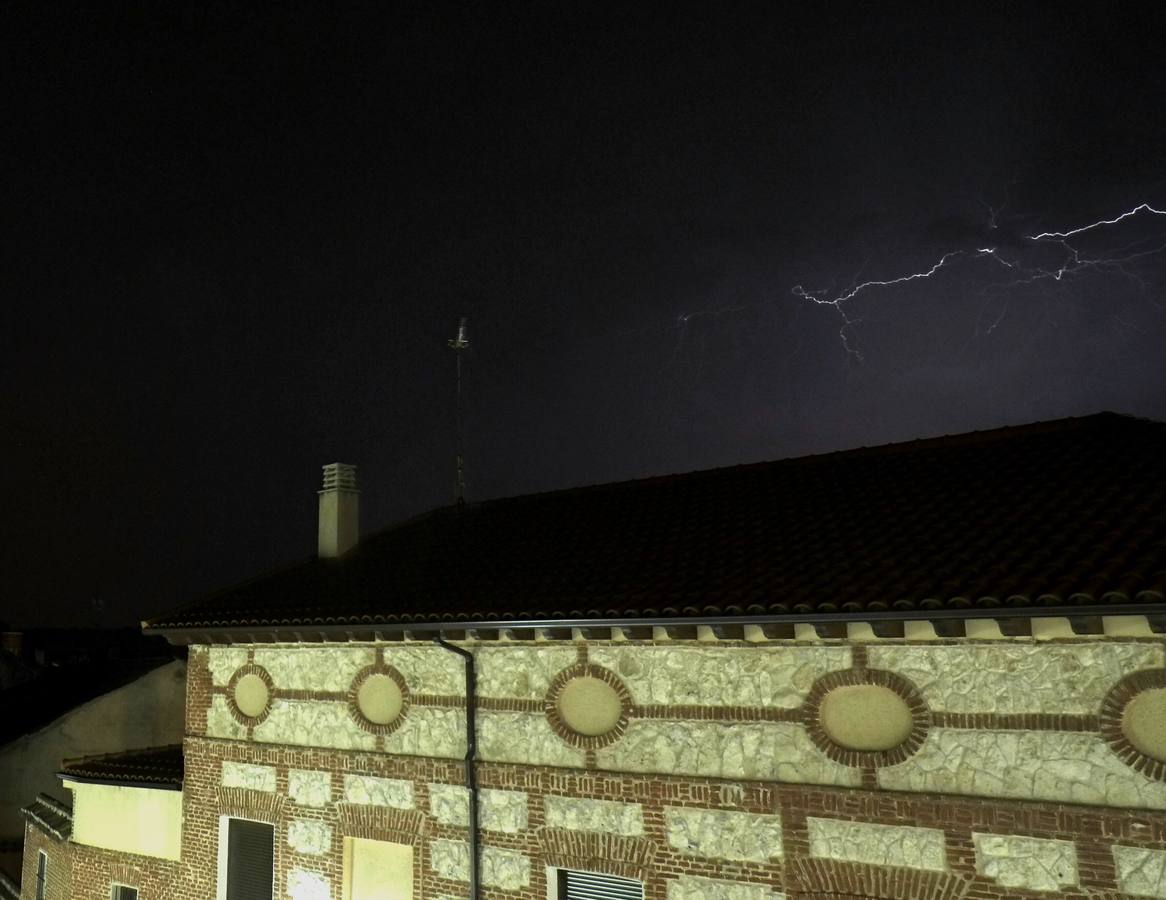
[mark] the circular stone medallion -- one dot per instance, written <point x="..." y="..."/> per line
<point x="589" y="706"/>
<point x="379" y="699"/>
<point x="1144" y="723"/>
<point x="251" y="695"/>
<point x="866" y="717"/>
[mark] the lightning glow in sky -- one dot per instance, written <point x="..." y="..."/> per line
<point x="1072" y="261"/>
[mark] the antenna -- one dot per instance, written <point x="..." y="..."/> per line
<point x="458" y="344"/>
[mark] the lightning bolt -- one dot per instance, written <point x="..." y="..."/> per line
<point x="1072" y="262"/>
<point x="1060" y="235"/>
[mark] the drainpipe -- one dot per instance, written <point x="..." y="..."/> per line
<point x="471" y="752"/>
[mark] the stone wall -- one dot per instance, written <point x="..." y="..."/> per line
<point x="684" y="837"/>
<point x="1018" y="719"/>
<point x="716" y="779"/>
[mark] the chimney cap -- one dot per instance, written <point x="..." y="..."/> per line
<point x="339" y="477"/>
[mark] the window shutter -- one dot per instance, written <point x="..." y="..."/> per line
<point x="591" y="886"/>
<point x="250" y="860"/>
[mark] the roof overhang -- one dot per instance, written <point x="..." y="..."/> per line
<point x="121" y="782"/>
<point x="947" y="622"/>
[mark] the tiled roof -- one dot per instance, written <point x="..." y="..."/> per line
<point x="50" y="814"/>
<point x="159" y="767"/>
<point x="1065" y="513"/>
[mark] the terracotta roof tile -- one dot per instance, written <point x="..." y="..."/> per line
<point x="160" y="767"/>
<point x="1061" y="513"/>
<point x="51" y="815"/>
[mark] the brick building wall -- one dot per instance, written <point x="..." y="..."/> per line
<point x="59" y="871"/>
<point x="715" y="772"/>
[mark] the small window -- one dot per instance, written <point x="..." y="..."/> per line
<point x="42" y="873"/>
<point x="250" y="860"/>
<point x="594" y="886"/>
<point x="121" y="892"/>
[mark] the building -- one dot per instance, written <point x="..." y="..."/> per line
<point x="101" y="705"/>
<point x="926" y="670"/>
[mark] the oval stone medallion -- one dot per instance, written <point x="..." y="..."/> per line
<point x="589" y="706"/>
<point x="1144" y="722"/>
<point x="251" y="695"/>
<point x="379" y="699"/>
<point x="865" y="717"/>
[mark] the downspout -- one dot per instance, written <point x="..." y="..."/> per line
<point x="471" y="752"/>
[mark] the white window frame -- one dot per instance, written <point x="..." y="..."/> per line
<point x="553" y="879"/>
<point x="224" y="831"/>
<point x="117" y="884"/>
<point x="42" y="881"/>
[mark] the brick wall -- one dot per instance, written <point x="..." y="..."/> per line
<point x="694" y="836"/>
<point x="59" y="884"/>
<point x="657" y="851"/>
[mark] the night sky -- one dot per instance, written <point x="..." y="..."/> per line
<point x="238" y="241"/>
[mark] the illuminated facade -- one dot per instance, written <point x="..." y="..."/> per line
<point x="646" y="724"/>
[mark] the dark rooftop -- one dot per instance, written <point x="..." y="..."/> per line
<point x="51" y="815"/>
<point x="1068" y="513"/>
<point x="156" y="767"/>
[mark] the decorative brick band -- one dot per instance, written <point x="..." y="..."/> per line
<point x="353" y="695"/>
<point x="608" y="853"/>
<point x="828" y="879"/>
<point x="263" y="806"/>
<point x="920" y="717"/>
<point x="304" y="694"/>
<point x="1016" y="721"/>
<point x="717" y="713"/>
<point x="379" y="823"/>
<point x="565" y="731"/>
<point x="509" y="704"/>
<point x="445" y="701"/>
<point x="1113" y="709"/>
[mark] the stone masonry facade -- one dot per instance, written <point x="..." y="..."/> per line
<point x="1013" y="771"/>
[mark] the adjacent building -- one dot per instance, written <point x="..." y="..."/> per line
<point x="925" y="670"/>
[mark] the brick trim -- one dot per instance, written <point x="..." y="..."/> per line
<point x="262" y="806"/>
<point x="249" y="668"/>
<point x="865" y="759"/>
<point x="607" y="853"/>
<point x="717" y="713"/>
<point x="1016" y="721"/>
<point x="354" y="713"/>
<point x="1113" y="709"/>
<point x="827" y="879"/>
<point x="380" y="823"/>
<point x="565" y="731"/>
<point x="123" y="873"/>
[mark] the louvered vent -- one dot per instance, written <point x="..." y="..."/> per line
<point x="250" y="855"/>
<point x="590" y="886"/>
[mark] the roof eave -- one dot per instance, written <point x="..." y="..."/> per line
<point x="268" y="632"/>
<point x="121" y="782"/>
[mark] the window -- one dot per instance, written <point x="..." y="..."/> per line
<point x="593" y="886"/>
<point x="42" y="873"/>
<point x="377" y="870"/>
<point x="122" y="892"/>
<point x="246" y="860"/>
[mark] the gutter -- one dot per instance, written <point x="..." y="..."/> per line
<point x="121" y="782"/>
<point x="471" y="752"/>
<point x="247" y="632"/>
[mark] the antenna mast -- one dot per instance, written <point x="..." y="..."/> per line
<point x="458" y="344"/>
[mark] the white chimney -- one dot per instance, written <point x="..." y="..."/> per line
<point x="339" y="511"/>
